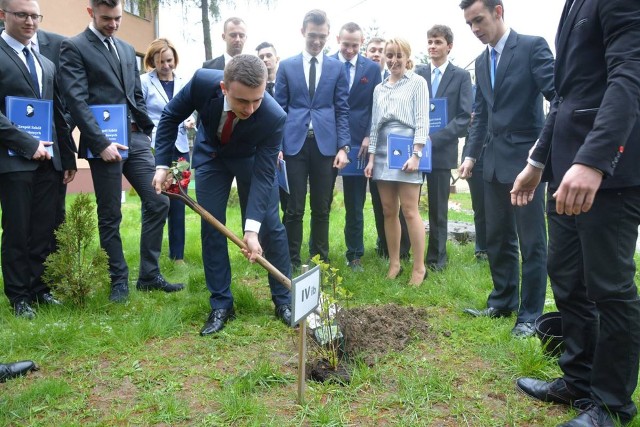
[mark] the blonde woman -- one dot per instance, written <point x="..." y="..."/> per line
<point x="401" y="107"/>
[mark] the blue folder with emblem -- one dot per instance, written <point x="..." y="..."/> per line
<point x="400" y="149"/>
<point x="33" y="116"/>
<point x="356" y="164"/>
<point x="114" y="124"/>
<point x="437" y="114"/>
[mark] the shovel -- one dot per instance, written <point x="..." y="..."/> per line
<point x="187" y="200"/>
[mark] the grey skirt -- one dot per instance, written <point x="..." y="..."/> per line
<point x="381" y="171"/>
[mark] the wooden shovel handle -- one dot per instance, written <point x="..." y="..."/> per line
<point x="184" y="197"/>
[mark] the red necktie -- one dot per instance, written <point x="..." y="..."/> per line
<point x="225" y="136"/>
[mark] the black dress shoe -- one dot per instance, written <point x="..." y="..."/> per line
<point x="523" y="330"/>
<point x="47" y="299"/>
<point x="23" y="309"/>
<point x="216" y="320"/>
<point x="119" y="292"/>
<point x="159" y="284"/>
<point x="556" y="391"/>
<point x="12" y="370"/>
<point x="488" y="312"/>
<point x="283" y="312"/>
<point x="595" y="416"/>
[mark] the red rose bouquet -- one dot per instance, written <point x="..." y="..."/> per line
<point x="181" y="175"/>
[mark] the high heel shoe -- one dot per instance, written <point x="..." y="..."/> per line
<point x="400" y="270"/>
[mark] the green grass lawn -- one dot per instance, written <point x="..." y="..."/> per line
<point x="143" y="362"/>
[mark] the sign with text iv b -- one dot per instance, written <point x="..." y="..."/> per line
<point x="306" y="294"/>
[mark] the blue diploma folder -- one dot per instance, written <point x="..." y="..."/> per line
<point x="437" y="114"/>
<point x="113" y="122"/>
<point x="281" y="172"/>
<point x="400" y="149"/>
<point x="356" y="165"/>
<point x="33" y="116"/>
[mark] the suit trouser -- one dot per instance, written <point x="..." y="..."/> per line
<point x="476" y="189"/>
<point x="592" y="270"/>
<point x="213" y="184"/>
<point x="176" y="218"/>
<point x="376" y="203"/>
<point x="139" y="169"/>
<point x="355" y="194"/>
<point x="28" y="201"/>
<point x="508" y="226"/>
<point x="309" y="164"/>
<point x="438" y="189"/>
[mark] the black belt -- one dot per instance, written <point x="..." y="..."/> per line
<point x="311" y="133"/>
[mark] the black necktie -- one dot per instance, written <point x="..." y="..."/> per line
<point x="112" y="49"/>
<point x="312" y="77"/>
<point x="270" y="86"/>
<point x="32" y="69"/>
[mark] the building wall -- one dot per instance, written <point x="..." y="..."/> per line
<point x="70" y="17"/>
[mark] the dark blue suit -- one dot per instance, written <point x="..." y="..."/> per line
<point x="250" y="157"/>
<point x="594" y="121"/>
<point x="366" y="78"/>
<point x="310" y="156"/>
<point x="507" y="121"/>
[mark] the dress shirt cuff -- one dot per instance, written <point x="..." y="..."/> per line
<point x="162" y="167"/>
<point x="535" y="164"/>
<point x="252" y="225"/>
<point x="471" y="158"/>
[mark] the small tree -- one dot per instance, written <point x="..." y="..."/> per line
<point x="79" y="267"/>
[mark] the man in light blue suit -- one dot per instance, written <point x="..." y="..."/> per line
<point x="363" y="76"/>
<point x="313" y="89"/>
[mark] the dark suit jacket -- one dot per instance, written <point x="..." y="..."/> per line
<point x="509" y="119"/>
<point x="455" y="85"/>
<point x="90" y="76"/>
<point x="260" y="135"/>
<point x="329" y="110"/>
<point x="215" y="63"/>
<point x="595" y="119"/>
<point x="366" y="78"/>
<point x="16" y="81"/>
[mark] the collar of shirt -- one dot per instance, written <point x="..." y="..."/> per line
<point x="442" y="69"/>
<point x="354" y="60"/>
<point x="98" y="34"/>
<point x="15" y="44"/>
<point x="306" y="56"/>
<point x="227" y="58"/>
<point x="499" y="47"/>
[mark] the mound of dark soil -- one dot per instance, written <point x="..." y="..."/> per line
<point x="373" y="331"/>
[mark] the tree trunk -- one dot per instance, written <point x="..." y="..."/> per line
<point x="206" y="29"/>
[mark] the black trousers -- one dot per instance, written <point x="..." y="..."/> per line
<point x="438" y="188"/>
<point x="309" y="165"/>
<point x="139" y="169"/>
<point x="29" y="201"/>
<point x="592" y="270"/>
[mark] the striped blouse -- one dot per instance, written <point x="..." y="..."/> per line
<point x="406" y="101"/>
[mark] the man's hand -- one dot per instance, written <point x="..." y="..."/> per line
<point x="280" y="157"/>
<point x="190" y="123"/>
<point x="161" y="180"/>
<point x="111" y="154"/>
<point x="341" y="160"/>
<point x="68" y="176"/>
<point x="254" y="250"/>
<point x="464" y="171"/>
<point x="42" y="153"/>
<point x="577" y="190"/>
<point x="525" y="186"/>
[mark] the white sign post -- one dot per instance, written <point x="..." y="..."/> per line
<point x="306" y="297"/>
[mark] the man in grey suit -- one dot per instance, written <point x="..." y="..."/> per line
<point x="234" y="36"/>
<point x="445" y="80"/>
<point x="30" y="169"/>
<point x="97" y="69"/>
<point x="512" y="75"/>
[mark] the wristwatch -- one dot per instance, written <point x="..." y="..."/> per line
<point x="418" y="154"/>
<point x="346" y="148"/>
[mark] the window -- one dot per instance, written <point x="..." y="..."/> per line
<point x="135" y="7"/>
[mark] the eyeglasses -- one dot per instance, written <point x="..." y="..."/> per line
<point x="24" y="16"/>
